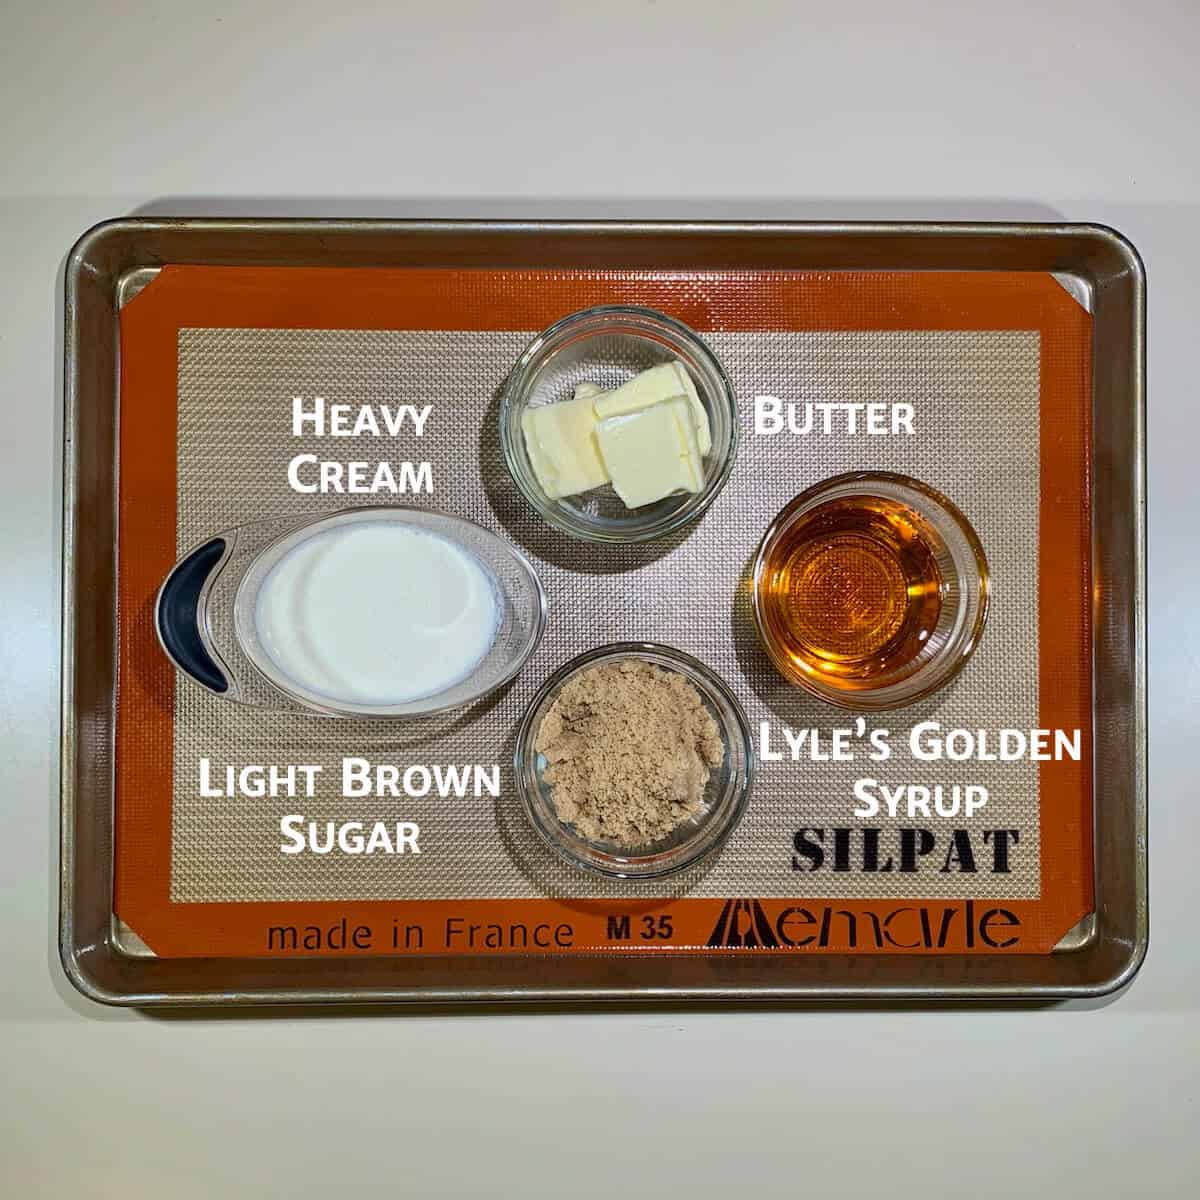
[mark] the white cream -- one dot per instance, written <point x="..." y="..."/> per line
<point x="376" y="613"/>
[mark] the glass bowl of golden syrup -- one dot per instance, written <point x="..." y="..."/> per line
<point x="870" y="590"/>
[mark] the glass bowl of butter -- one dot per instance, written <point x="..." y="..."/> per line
<point x="618" y="424"/>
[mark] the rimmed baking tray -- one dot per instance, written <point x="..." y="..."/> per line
<point x="111" y="263"/>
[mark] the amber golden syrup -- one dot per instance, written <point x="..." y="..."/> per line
<point x="851" y="592"/>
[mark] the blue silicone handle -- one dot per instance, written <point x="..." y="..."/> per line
<point x="177" y="615"/>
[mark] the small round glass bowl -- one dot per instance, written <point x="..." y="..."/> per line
<point x="833" y="525"/>
<point x="725" y="797"/>
<point x="607" y="346"/>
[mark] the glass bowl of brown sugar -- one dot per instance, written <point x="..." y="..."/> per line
<point x="634" y="761"/>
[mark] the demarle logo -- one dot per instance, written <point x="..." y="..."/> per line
<point x="743" y="923"/>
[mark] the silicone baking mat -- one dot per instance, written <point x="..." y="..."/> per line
<point x="995" y="369"/>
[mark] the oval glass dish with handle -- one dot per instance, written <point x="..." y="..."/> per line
<point x="607" y="346"/>
<point x="208" y="620"/>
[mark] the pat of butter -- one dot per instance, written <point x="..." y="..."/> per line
<point x="561" y="441"/>
<point x="652" y="452"/>
<point x="652" y="387"/>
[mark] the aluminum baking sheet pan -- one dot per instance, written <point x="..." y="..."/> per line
<point x="1100" y="272"/>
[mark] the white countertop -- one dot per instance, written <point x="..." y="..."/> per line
<point x="1079" y="111"/>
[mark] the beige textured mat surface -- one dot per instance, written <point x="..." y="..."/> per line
<point x="976" y="419"/>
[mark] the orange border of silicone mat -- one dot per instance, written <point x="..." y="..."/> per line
<point x="325" y="298"/>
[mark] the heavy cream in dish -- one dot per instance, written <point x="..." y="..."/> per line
<point x="376" y="613"/>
